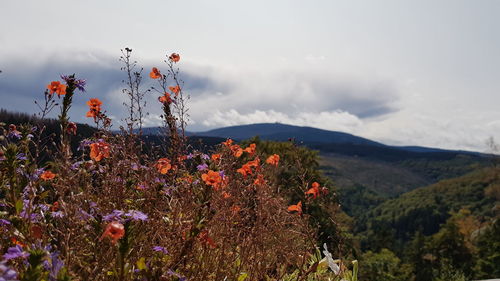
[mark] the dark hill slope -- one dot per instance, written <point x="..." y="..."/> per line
<point x="426" y="208"/>
<point x="282" y="132"/>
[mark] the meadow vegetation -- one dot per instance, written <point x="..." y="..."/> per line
<point x="87" y="203"/>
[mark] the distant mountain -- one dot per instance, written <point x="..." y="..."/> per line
<point x="283" y="132"/>
<point x="356" y="162"/>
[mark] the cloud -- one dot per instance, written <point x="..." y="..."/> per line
<point x="289" y="92"/>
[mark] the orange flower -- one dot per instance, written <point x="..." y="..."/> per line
<point x="205" y="239"/>
<point x="254" y="163"/>
<point x="174" y="57"/>
<point x="259" y="180"/>
<point x="212" y="178"/>
<point x="114" y="230"/>
<point x="55" y="207"/>
<point x="47" y="175"/>
<point x="175" y="90"/>
<point x="17" y="242"/>
<point x="56" y="87"/>
<point x="273" y="159"/>
<point x="226" y="195"/>
<point x="314" y="191"/>
<point x="296" y="208"/>
<point x="165" y="99"/>
<point x="215" y="157"/>
<point x="228" y="142"/>
<point x="71" y="128"/>
<point x="235" y="209"/>
<point x="155" y="73"/>
<point x="99" y="150"/>
<point x="237" y="150"/>
<point x="95" y="107"/>
<point x="245" y="170"/>
<point x="251" y="148"/>
<point x="163" y="165"/>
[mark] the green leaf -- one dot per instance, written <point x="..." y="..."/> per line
<point x="19" y="206"/>
<point x="242" y="276"/>
<point x="141" y="264"/>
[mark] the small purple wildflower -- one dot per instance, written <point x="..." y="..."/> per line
<point x="14" y="134"/>
<point x="57" y="214"/>
<point x="84" y="143"/>
<point x="21" y="156"/>
<point x="76" y="165"/>
<point x="160" y="249"/>
<point x="142" y="186"/>
<point x="116" y="215"/>
<point x="15" y="252"/>
<point x="54" y="266"/>
<point x="84" y="216"/>
<point x="222" y="174"/>
<point x="173" y="273"/>
<point x="202" y="167"/>
<point x="190" y="156"/>
<point x="167" y="191"/>
<point x="6" y="273"/>
<point x="36" y="174"/>
<point x="205" y="156"/>
<point x="137" y="215"/>
<point x="44" y="207"/>
<point x="4" y="222"/>
<point x="79" y="83"/>
<point x="134" y="166"/>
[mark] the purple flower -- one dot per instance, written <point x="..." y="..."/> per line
<point x="57" y="214"/>
<point x="84" y="143"/>
<point x="202" y="167"/>
<point x="4" y="222"/>
<point x="36" y="174"/>
<point x="160" y="249"/>
<point x="7" y="274"/>
<point x="116" y="215"/>
<point x="76" y="165"/>
<point x="44" y="207"/>
<point x="205" y="156"/>
<point x="84" y="216"/>
<point x="222" y="174"/>
<point x="142" y="186"/>
<point x="137" y="215"/>
<point x="54" y="266"/>
<point x="14" y="134"/>
<point x="79" y="83"/>
<point x="15" y="252"/>
<point x="21" y="156"/>
<point x="134" y="166"/>
<point x="190" y="156"/>
<point x="173" y="273"/>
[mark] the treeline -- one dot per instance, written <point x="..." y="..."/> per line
<point x="446" y="231"/>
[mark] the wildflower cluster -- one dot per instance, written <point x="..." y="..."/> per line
<point x="112" y="210"/>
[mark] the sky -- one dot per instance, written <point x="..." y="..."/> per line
<point x="400" y="72"/>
